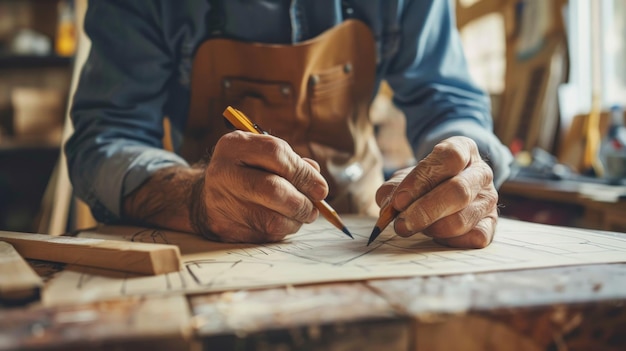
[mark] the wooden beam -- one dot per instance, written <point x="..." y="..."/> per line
<point x="124" y="256"/>
<point x="19" y="284"/>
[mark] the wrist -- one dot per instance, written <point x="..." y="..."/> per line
<point x="197" y="210"/>
<point x="163" y="200"/>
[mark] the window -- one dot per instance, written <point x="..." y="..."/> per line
<point x="614" y="20"/>
<point x="596" y="32"/>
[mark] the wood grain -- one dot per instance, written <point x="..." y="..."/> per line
<point x="18" y="282"/>
<point x="132" y="257"/>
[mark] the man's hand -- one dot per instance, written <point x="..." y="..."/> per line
<point x="256" y="189"/>
<point x="449" y="195"/>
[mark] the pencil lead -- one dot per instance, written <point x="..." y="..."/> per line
<point x="345" y="230"/>
<point x="374" y="235"/>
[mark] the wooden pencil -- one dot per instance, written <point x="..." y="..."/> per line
<point x="387" y="215"/>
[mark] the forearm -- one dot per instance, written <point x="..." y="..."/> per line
<point x="165" y="199"/>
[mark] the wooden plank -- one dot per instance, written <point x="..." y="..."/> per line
<point x="19" y="284"/>
<point x="143" y="258"/>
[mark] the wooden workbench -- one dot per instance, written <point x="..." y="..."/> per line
<point x="567" y="308"/>
<point x="570" y="203"/>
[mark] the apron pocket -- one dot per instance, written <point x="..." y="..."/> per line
<point x="331" y="99"/>
<point x="269" y="104"/>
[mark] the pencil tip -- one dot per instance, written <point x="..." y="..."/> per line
<point x="374" y="235"/>
<point x="345" y="230"/>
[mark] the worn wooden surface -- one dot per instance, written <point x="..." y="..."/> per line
<point x="562" y="308"/>
<point x="570" y="308"/>
<point x="148" y="323"/>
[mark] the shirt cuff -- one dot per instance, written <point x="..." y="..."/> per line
<point x="499" y="157"/>
<point x="124" y="172"/>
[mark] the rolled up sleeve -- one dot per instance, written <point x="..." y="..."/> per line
<point x="433" y="88"/>
<point x="117" y="109"/>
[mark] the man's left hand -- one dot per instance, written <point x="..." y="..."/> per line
<point x="449" y="196"/>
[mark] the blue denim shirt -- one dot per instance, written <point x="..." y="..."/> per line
<point x="138" y="71"/>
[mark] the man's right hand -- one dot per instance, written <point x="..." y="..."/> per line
<point x="254" y="189"/>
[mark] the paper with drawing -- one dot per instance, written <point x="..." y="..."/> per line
<point x="321" y="253"/>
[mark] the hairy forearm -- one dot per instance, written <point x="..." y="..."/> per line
<point x="165" y="199"/>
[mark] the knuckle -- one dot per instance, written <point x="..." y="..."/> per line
<point x="273" y="147"/>
<point x="276" y="186"/>
<point x="313" y="163"/>
<point x="276" y="227"/>
<point x="267" y="189"/>
<point x="421" y="176"/>
<point x="230" y="138"/>
<point x="453" y="152"/>
<point x="302" y="176"/>
<point x="427" y="217"/>
<point x="462" y="189"/>
<point x="309" y="181"/>
<point x="491" y="198"/>
<point x="487" y="173"/>
<point x="300" y="207"/>
<point x="470" y="143"/>
<point x="466" y="220"/>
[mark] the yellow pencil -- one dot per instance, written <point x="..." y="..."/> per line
<point x="241" y="122"/>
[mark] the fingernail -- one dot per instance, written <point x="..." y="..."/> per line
<point x="403" y="200"/>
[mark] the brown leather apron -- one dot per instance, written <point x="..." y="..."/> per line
<point x="315" y="95"/>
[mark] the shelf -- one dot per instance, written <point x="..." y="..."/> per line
<point x="32" y="61"/>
